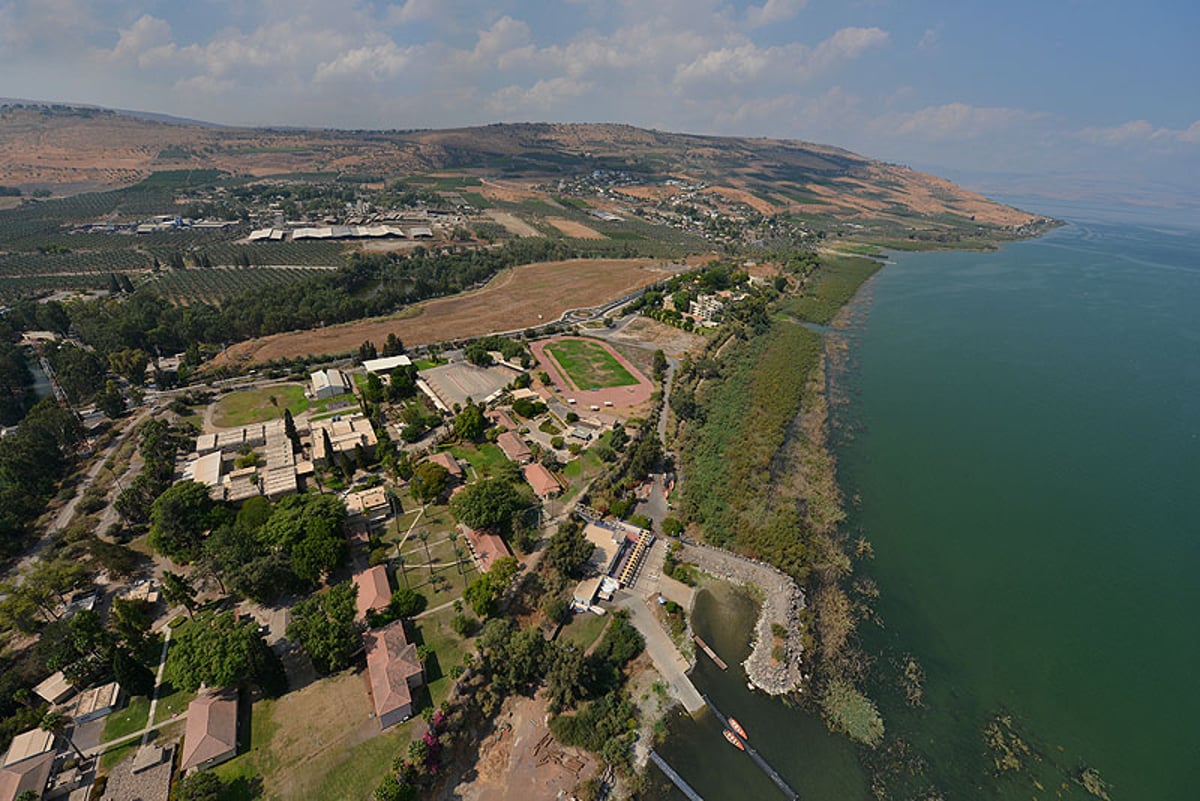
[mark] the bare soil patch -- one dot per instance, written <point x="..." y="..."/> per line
<point x="518" y="298"/>
<point x="575" y="229"/>
<point x="742" y="196"/>
<point x="653" y="335"/>
<point x="514" y="224"/>
<point x="521" y="761"/>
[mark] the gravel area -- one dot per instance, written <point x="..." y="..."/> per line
<point x="782" y="604"/>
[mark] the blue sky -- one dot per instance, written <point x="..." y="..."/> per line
<point x="1019" y="95"/>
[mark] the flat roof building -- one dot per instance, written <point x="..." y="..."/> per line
<point x="344" y="434"/>
<point x="29" y="745"/>
<point x="97" y="702"/>
<point x="55" y="689"/>
<point x="386" y="364"/>
<point x="329" y="383"/>
<point x="211" y="734"/>
<point x="394" y="671"/>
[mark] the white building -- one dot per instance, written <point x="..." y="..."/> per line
<point x="329" y="383"/>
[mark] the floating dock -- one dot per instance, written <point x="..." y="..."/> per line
<point x="763" y="765"/>
<point x="678" y="781"/>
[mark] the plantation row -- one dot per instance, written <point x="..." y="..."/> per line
<point x="214" y="286"/>
<point x="87" y="261"/>
<point x="13" y="288"/>
<point x="315" y="254"/>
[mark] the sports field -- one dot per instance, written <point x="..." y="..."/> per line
<point x="258" y="405"/>
<point x="589" y="364"/>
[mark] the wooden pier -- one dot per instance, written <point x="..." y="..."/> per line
<point x="711" y="653"/>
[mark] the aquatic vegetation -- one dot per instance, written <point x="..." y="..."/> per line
<point x="1007" y="747"/>
<point x="847" y="710"/>
<point x="1090" y="779"/>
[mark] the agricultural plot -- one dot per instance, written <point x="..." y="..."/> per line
<point x="589" y="365"/>
<point x="219" y="283"/>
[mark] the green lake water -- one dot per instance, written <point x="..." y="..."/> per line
<point x="1022" y="433"/>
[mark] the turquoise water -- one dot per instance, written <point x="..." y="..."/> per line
<point x="1026" y="444"/>
<point x="1023" y="436"/>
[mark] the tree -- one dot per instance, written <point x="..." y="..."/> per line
<point x="402" y="382"/>
<point x="289" y="428"/>
<point x="325" y="626"/>
<point x="220" y="651"/>
<point x="367" y="351"/>
<point x="660" y="364"/>
<point x="308" y="528"/>
<point x="488" y="505"/>
<point x="111" y="401"/>
<point x="130" y="620"/>
<point x="179" y="518"/>
<point x="178" y="591"/>
<point x="202" y="786"/>
<point x="483" y="592"/>
<point x="477" y="354"/>
<point x="130" y="364"/>
<point x="469" y="423"/>
<point x="57" y="723"/>
<point x="423" y="536"/>
<point x="392" y="346"/>
<point x="429" y="481"/>
<point x="372" y="390"/>
<point x="569" y="550"/>
<point x="134" y="677"/>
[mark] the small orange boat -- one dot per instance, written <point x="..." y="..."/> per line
<point x="737" y="727"/>
<point x="733" y="739"/>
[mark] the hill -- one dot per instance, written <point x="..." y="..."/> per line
<point x="67" y="150"/>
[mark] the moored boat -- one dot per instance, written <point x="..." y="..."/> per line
<point x="737" y="727"/>
<point x="733" y="739"/>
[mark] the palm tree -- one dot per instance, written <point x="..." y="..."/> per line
<point x="423" y="536"/>
<point x="57" y="723"/>
<point x="459" y="553"/>
<point x="402" y="565"/>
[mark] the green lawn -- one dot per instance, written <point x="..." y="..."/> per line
<point x="583" y="630"/>
<point x="486" y="458"/>
<point x="128" y="720"/>
<point x="254" y="405"/>
<point x="448" y="649"/>
<point x="345" y="757"/>
<point x="589" y="365"/>
<point x="171" y="704"/>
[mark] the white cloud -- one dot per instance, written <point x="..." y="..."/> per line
<point x="539" y="100"/>
<point x="930" y="39"/>
<point x="773" y="11"/>
<point x="1141" y="132"/>
<point x="145" y="34"/>
<point x="955" y="121"/>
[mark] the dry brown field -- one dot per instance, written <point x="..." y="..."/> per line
<point x="518" y="298"/>
<point x="513" y="223"/>
<point x="575" y="229"/>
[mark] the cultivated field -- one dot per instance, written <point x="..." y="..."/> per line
<point x="518" y="298"/>
<point x="574" y="229"/>
<point x="588" y="364"/>
<point x="513" y="223"/>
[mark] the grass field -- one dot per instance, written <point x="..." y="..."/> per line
<point x="518" y="298"/>
<point x="128" y="720"/>
<point x="583" y="630"/>
<point x="344" y="758"/>
<point x="254" y="405"/>
<point x="589" y="365"/>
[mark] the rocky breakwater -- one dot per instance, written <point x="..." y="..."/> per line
<point x="781" y="605"/>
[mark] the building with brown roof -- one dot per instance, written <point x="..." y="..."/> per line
<point x="394" y="671"/>
<point x="27" y="763"/>
<point x="447" y="460"/>
<point x="514" y="447"/>
<point x="211" y="734"/>
<point x="374" y="589"/>
<point x="485" y="548"/>
<point x="542" y="480"/>
<point x="501" y="417"/>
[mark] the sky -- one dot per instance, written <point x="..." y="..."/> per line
<point x="1016" y="95"/>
